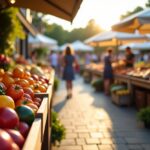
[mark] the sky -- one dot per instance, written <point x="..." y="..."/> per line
<point x="104" y="12"/>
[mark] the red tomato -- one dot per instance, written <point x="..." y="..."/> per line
<point x="8" y="118"/>
<point x="6" y="142"/>
<point x="23" y="101"/>
<point x="16" y="136"/>
<point x="8" y="80"/>
<point x="23" y="128"/>
<point x="30" y="80"/>
<point x="27" y="74"/>
<point x="35" y="77"/>
<point x="18" y="72"/>
<point x="25" y="95"/>
<point x="37" y="99"/>
<point x="15" y="91"/>
<point x="23" y="82"/>
<point x="29" y="91"/>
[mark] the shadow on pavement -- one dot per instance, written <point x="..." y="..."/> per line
<point x="60" y="105"/>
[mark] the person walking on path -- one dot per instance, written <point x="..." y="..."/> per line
<point x="68" y="72"/>
<point x="108" y="71"/>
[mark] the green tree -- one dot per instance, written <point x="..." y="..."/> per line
<point x="37" y="21"/>
<point x="10" y="29"/>
<point x="137" y="9"/>
<point x="148" y="3"/>
<point x="57" y="32"/>
<point x="63" y="36"/>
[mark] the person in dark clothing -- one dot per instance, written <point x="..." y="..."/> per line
<point x="68" y="73"/>
<point x="108" y="71"/>
<point x="129" y="58"/>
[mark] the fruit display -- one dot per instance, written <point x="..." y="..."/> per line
<point x="18" y="103"/>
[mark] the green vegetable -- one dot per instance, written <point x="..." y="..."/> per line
<point x="2" y="92"/>
<point x="25" y="114"/>
<point x="56" y="84"/>
<point x="98" y="84"/>
<point x="117" y="87"/>
<point x="144" y="115"/>
<point x="58" y="130"/>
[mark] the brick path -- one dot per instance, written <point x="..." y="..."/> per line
<point x="92" y="122"/>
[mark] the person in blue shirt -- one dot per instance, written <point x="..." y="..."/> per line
<point x="108" y="71"/>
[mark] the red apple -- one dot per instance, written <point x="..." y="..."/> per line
<point x="16" y="136"/>
<point x="6" y="142"/>
<point x="23" y="128"/>
<point x="8" y="118"/>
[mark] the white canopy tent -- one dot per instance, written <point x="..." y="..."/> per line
<point x="42" y="41"/>
<point x="112" y="38"/>
<point x="63" y="47"/>
<point x="136" y="46"/>
<point x="80" y="46"/>
<point x="77" y="46"/>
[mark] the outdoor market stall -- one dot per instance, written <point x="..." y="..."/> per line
<point x="137" y="80"/>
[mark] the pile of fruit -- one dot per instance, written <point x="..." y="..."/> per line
<point x="18" y="104"/>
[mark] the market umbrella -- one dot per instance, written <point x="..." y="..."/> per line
<point x="136" y="46"/>
<point x="42" y="40"/>
<point x="63" y="47"/>
<point x="65" y="9"/>
<point x="112" y="38"/>
<point x="80" y="46"/>
<point x="139" y="21"/>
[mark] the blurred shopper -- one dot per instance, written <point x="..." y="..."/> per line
<point x="87" y="58"/>
<point x="108" y="71"/>
<point x="94" y="58"/>
<point x="68" y="72"/>
<point x="53" y="60"/>
<point x="129" y="58"/>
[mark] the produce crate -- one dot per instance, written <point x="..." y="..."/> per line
<point x="140" y="98"/>
<point x="33" y="140"/>
<point x="42" y="113"/>
<point x="121" y="100"/>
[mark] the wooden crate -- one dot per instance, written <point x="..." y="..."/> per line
<point x="121" y="100"/>
<point x="33" y="140"/>
<point x="140" y="98"/>
<point x="42" y="113"/>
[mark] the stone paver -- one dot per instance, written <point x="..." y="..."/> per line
<point x="93" y="122"/>
<point x="80" y="141"/>
<point x="92" y="141"/>
<point x="90" y="147"/>
<point x="105" y="147"/>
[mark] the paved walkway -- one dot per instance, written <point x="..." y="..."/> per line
<point x="93" y="122"/>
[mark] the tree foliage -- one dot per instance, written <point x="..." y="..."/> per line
<point x="10" y="29"/>
<point x="137" y="9"/>
<point x="148" y="3"/>
<point x="63" y="36"/>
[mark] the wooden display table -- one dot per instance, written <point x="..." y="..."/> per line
<point x="39" y="135"/>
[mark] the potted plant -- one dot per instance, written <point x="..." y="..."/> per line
<point x="98" y="84"/>
<point x="144" y="115"/>
<point x="58" y="130"/>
